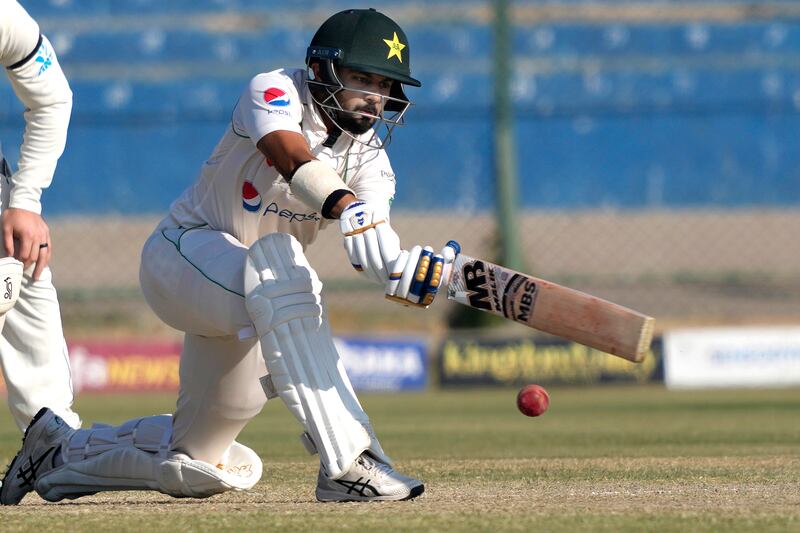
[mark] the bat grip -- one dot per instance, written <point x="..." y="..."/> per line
<point x="450" y="251"/>
<point x="453" y="245"/>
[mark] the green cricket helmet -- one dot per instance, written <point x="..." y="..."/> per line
<point x="364" y="40"/>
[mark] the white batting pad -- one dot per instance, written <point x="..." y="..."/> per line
<point x="136" y="456"/>
<point x="283" y="297"/>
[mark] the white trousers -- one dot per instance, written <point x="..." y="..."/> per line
<point x="193" y="280"/>
<point x="33" y="352"/>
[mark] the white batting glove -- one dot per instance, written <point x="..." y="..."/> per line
<point x="418" y="274"/>
<point x="370" y="242"/>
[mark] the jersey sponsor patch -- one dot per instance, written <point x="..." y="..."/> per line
<point x="251" y="199"/>
<point x="276" y="97"/>
<point x="44" y="56"/>
<point x="291" y="215"/>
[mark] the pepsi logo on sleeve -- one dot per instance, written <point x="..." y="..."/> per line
<point x="276" y="97"/>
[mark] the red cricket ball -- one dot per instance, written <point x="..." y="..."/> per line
<point x="532" y="400"/>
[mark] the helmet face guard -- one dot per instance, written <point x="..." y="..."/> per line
<point x="363" y="40"/>
<point x="325" y="87"/>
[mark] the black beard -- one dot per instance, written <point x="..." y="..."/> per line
<point x="356" y="124"/>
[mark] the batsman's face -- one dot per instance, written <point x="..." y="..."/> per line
<point x="362" y="98"/>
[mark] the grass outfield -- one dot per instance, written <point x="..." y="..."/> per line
<point x="603" y="459"/>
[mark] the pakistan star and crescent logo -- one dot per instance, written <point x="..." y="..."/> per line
<point x="395" y="48"/>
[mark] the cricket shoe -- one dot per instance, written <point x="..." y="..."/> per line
<point x="41" y="446"/>
<point x="368" y="480"/>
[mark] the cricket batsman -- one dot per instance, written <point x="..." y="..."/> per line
<point x="33" y="352"/>
<point x="227" y="267"/>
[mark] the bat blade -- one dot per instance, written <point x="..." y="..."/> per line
<point x="550" y="307"/>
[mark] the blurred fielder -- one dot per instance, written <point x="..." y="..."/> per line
<point x="227" y="267"/>
<point x="32" y="348"/>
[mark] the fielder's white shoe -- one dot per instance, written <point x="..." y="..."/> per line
<point x="40" y="447"/>
<point x="368" y="480"/>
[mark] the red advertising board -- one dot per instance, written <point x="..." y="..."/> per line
<point x="129" y="365"/>
<point x="124" y="366"/>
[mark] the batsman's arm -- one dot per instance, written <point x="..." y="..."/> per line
<point x="311" y="180"/>
<point x="370" y="242"/>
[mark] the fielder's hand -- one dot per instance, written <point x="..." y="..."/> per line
<point x="418" y="274"/>
<point x="26" y="237"/>
<point x="371" y="243"/>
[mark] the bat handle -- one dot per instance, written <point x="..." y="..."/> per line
<point x="451" y="246"/>
<point x="450" y="251"/>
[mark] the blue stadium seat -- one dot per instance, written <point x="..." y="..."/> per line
<point x="601" y="108"/>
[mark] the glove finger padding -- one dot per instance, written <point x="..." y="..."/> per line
<point x="396" y="274"/>
<point x="372" y="250"/>
<point x="389" y="244"/>
<point x="416" y="277"/>
<point x="359" y="256"/>
<point x="362" y="249"/>
<point x="409" y="272"/>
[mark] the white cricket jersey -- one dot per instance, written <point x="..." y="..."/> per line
<point x="39" y="83"/>
<point x="238" y="191"/>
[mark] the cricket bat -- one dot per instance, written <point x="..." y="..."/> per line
<point x="549" y="307"/>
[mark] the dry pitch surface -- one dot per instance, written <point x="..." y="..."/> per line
<point x="605" y="459"/>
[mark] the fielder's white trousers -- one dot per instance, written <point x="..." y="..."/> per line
<point x="193" y="280"/>
<point x="33" y="354"/>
